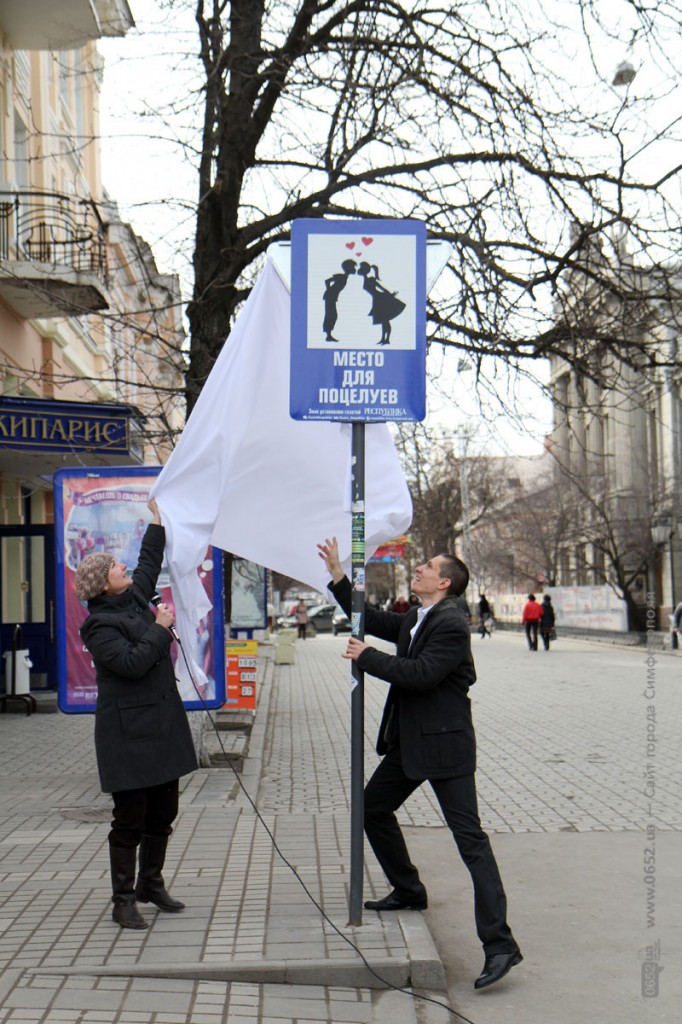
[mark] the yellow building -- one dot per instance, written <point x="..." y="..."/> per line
<point x="90" y="332"/>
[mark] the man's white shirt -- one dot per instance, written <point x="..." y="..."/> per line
<point x="421" y="615"/>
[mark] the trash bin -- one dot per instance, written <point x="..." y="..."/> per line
<point x="23" y="673"/>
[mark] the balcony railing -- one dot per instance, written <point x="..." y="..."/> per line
<point x="54" y="230"/>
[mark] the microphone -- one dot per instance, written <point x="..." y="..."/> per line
<point x="156" y="600"/>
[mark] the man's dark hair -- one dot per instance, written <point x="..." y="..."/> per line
<point x="454" y="569"/>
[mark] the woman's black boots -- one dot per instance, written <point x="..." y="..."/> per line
<point x="125" y="912"/>
<point x="150" y="887"/>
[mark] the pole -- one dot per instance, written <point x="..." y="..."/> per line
<point x="674" y="642"/>
<point x="357" y="736"/>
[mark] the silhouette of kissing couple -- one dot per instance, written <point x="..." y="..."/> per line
<point x="386" y="306"/>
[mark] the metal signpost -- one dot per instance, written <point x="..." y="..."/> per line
<point x="358" y="347"/>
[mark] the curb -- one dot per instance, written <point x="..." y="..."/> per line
<point x="381" y="973"/>
<point x="426" y="966"/>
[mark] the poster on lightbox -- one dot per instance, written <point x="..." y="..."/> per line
<point x="249" y="596"/>
<point x="105" y="510"/>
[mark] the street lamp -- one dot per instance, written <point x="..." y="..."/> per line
<point x="625" y="73"/>
<point x="662" y="533"/>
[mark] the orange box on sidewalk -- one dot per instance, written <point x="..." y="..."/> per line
<point x="241" y="657"/>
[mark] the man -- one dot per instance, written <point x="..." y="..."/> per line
<point x="530" y="618"/>
<point x="427" y="733"/>
<point x="484" y="616"/>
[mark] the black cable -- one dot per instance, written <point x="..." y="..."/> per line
<point x="396" y="988"/>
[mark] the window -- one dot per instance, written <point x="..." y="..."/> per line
<point x="64" y="76"/>
<point x="79" y="103"/>
<point x="21" y="155"/>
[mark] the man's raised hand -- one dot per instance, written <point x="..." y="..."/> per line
<point x="329" y="553"/>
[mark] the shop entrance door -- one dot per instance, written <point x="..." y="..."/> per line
<point x="27" y="578"/>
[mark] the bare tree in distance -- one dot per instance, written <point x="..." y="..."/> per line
<point x="482" y="126"/>
<point x="518" y="546"/>
<point x="434" y="472"/>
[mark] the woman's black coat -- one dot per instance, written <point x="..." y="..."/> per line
<point x="547" y="620"/>
<point x="142" y="736"/>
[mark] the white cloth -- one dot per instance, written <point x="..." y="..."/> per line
<point x="247" y="478"/>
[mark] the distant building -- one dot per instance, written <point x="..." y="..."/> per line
<point x="616" y="437"/>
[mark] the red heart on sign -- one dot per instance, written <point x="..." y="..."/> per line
<point x="367" y="241"/>
<point x="350" y="245"/>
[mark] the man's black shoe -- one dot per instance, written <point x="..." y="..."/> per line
<point x="496" y="966"/>
<point x="395" y="902"/>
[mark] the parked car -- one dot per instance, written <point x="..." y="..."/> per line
<point x="321" y="618"/>
<point x="340" y="623"/>
<point x="286" y="622"/>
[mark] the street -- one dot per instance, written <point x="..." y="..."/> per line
<point x="579" y="790"/>
<point x="563" y="763"/>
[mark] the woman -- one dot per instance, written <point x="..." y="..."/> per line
<point x="547" y="621"/>
<point x="301" y="613"/>
<point x="142" y="737"/>
<point x="385" y="305"/>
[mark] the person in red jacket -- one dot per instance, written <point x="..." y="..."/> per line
<point x="532" y="613"/>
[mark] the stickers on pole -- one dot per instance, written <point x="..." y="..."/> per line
<point x="358" y="320"/>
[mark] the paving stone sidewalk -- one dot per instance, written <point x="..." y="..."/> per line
<point x="560" y="750"/>
<point x="251" y="945"/>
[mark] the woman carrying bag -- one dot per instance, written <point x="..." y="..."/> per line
<point x="547" y="630"/>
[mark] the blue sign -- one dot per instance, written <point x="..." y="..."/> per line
<point x="38" y="425"/>
<point x="358" y="320"/>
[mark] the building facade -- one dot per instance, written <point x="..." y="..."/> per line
<point x="616" y="437"/>
<point x="90" y="331"/>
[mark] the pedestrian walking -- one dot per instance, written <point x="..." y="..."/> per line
<point x="427" y="733"/>
<point x="485" y="617"/>
<point x="142" y="737"/>
<point x="301" y="613"/>
<point x="532" y="613"/>
<point x="547" y="621"/>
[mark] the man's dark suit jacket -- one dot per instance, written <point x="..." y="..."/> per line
<point x="429" y="685"/>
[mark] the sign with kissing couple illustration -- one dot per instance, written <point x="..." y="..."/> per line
<point x="358" y="320"/>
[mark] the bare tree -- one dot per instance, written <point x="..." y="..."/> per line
<point x="356" y="108"/>
<point x="435" y="473"/>
<point x="518" y="545"/>
<point x="608" y="538"/>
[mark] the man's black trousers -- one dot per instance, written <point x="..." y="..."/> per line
<point x="532" y="635"/>
<point x="386" y="791"/>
